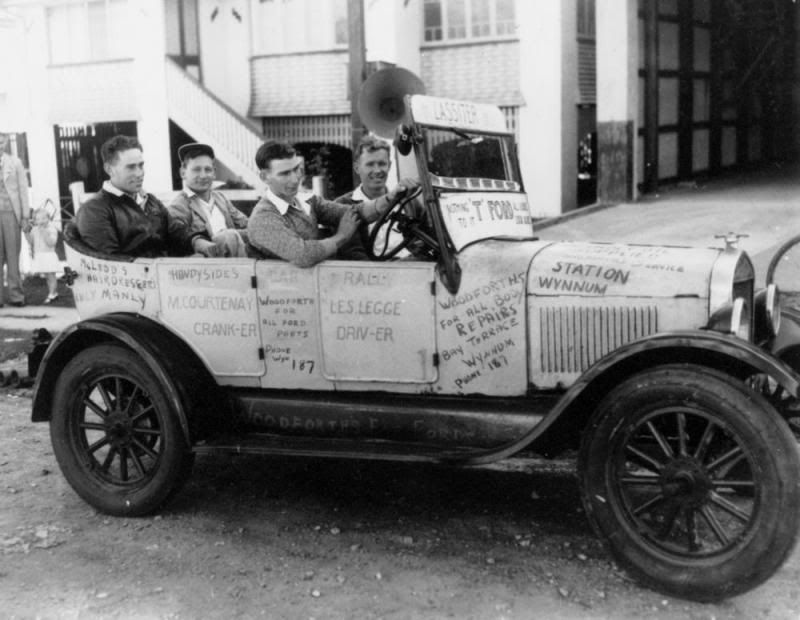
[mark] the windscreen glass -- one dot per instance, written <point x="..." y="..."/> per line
<point x="457" y="159"/>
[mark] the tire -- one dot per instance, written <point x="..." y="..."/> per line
<point x="115" y="434"/>
<point x="691" y="480"/>
<point x="781" y="400"/>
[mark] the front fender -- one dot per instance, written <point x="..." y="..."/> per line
<point x="562" y="427"/>
<point x="171" y="361"/>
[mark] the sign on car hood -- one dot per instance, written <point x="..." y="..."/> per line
<point x="616" y="270"/>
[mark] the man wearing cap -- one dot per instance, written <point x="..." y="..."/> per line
<point x="15" y="213"/>
<point x="283" y="226"/>
<point x="206" y="219"/>
<point x="121" y="221"/>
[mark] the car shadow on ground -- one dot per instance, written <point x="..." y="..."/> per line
<point x="518" y="506"/>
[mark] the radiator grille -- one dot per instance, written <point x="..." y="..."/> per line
<point x="573" y="338"/>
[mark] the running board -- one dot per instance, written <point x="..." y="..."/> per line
<point x="376" y="450"/>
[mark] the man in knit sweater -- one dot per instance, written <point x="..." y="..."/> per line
<point x="281" y="226"/>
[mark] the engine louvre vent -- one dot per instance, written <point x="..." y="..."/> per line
<point x="573" y="338"/>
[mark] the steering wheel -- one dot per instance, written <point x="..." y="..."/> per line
<point x="394" y="219"/>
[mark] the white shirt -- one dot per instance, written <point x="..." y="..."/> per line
<point x="283" y="206"/>
<point x="212" y="210"/>
<point x="140" y="198"/>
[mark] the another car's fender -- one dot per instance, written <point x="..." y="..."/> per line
<point x="786" y="345"/>
<point x="172" y="362"/>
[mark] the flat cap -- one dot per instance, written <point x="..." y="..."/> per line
<point x="194" y="149"/>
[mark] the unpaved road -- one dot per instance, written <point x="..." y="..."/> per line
<point x="260" y="537"/>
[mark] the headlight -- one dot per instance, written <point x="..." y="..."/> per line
<point x="767" y="305"/>
<point x="733" y="318"/>
<point x="740" y="319"/>
<point x="731" y="295"/>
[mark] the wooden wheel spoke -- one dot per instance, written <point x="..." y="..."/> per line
<point x="729" y="507"/>
<point x="736" y="484"/>
<point x="145" y="449"/>
<point x="131" y="399"/>
<point x="645" y="460"/>
<point x="662" y="441"/>
<point x="645" y="481"/>
<point x="106" y="464"/>
<point x="88" y="402"/>
<point x="92" y="426"/>
<point x="692" y="537"/>
<point x="705" y="441"/>
<point x="105" y="396"/>
<point x="103" y="441"/>
<point x="137" y="462"/>
<point x="669" y="522"/>
<point x="727" y="460"/>
<point x="683" y="436"/>
<point x="140" y="414"/>
<point x="715" y="525"/>
<point x="646" y="506"/>
<point x="123" y="464"/>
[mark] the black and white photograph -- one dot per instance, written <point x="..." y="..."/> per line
<point x="399" y="309"/>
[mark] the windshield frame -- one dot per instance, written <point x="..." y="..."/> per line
<point x="432" y="113"/>
<point x="503" y="157"/>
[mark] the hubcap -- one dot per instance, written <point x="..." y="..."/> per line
<point x="119" y="430"/>
<point x="686" y="481"/>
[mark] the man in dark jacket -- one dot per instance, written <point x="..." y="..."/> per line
<point x="121" y="220"/>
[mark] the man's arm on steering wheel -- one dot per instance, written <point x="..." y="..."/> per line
<point x="371" y="210"/>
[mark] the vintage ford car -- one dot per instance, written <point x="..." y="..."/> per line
<point x="485" y="343"/>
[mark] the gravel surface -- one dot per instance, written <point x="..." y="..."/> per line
<point x="260" y="537"/>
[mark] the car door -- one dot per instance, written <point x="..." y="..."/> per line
<point x="212" y="304"/>
<point x="377" y="321"/>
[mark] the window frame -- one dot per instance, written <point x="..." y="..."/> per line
<point x="586" y="20"/>
<point x="443" y="29"/>
<point x="63" y="51"/>
<point x="285" y="20"/>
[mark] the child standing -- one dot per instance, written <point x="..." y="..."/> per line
<point x="42" y="238"/>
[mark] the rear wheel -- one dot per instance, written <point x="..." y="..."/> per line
<point x="692" y="481"/>
<point x="115" y="433"/>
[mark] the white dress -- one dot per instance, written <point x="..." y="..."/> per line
<point x="43" y="243"/>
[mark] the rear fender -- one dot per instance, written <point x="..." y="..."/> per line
<point x="175" y="366"/>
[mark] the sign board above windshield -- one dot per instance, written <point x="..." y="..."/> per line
<point x="461" y="114"/>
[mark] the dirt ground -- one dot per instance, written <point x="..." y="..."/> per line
<point x="259" y="537"/>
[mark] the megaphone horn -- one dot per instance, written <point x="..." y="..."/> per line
<point x="380" y="101"/>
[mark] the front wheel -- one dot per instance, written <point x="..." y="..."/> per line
<point x="115" y="433"/>
<point x="691" y="479"/>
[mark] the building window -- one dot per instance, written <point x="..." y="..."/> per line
<point x="454" y="20"/>
<point x="433" y="20"/>
<point x="586" y="19"/>
<point x="290" y="26"/>
<point x="88" y="31"/>
<point x="340" y="23"/>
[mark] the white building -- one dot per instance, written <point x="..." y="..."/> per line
<point x="674" y="93"/>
